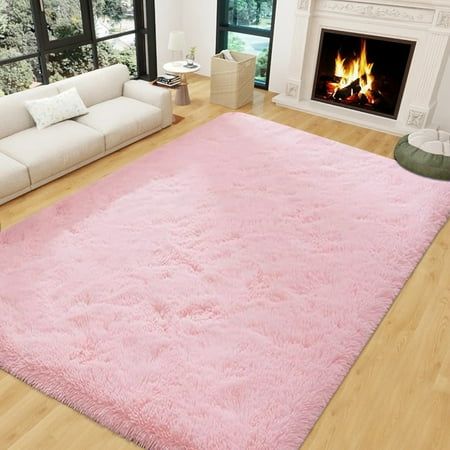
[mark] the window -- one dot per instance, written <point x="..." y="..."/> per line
<point x="42" y="41"/>
<point x="247" y="26"/>
<point x="67" y="63"/>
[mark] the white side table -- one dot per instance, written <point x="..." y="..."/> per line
<point x="180" y="68"/>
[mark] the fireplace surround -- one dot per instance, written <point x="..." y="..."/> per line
<point x="422" y="26"/>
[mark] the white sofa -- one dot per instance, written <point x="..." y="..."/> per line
<point x="121" y="111"/>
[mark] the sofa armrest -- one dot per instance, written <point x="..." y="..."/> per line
<point x="145" y="92"/>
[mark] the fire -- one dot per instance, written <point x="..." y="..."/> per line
<point x="354" y="76"/>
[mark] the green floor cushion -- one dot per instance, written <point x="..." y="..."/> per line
<point x="425" y="152"/>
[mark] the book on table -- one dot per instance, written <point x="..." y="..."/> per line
<point x="168" y="80"/>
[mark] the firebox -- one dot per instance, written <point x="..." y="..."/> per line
<point x="362" y="72"/>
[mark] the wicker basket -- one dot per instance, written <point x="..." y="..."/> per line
<point x="232" y="81"/>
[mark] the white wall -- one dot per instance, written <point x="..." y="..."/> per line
<point x="168" y="18"/>
<point x="282" y="43"/>
<point x="197" y="18"/>
<point x="442" y="114"/>
<point x="199" y="23"/>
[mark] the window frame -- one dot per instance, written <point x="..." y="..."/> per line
<point x="144" y="31"/>
<point x="56" y="44"/>
<point x="223" y="28"/>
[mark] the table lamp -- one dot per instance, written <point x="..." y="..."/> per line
<point x="177" y="42"/>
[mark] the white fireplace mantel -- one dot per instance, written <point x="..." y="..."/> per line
<point x="426" y="23"/>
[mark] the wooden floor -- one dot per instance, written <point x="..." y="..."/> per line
<point x="397" y="395"/>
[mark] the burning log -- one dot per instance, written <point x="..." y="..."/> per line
<point x="348" y="91"/>
<point x="364" y="100"/>
<point x="353" y="83"/>
<point x="328" y="84"/>
<point x="353" y="99"/>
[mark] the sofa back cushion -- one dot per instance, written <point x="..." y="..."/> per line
<point x="14" y="117"/>
<point x="99" y="85"/>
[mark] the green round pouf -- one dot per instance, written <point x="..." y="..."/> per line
<point x="432" y="164"/>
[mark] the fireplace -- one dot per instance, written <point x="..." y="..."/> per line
<point x="411" y="82"/>
<point x="362" y="72"/>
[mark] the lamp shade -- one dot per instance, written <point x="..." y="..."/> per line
<point x="177" y="41"/>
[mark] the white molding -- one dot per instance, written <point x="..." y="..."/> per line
<point x="416" y="118"/>
<point x="431" y="62"/>
<point x="292" y="89"/>
<point x="433" y="4"/>
<point x="377" y="11"/>
<point x="361" y="119"/>
<point x="443" y="20"/>
<point x="303" y="5"/>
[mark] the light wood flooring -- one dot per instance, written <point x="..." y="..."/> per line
<point x="397" y="395"/>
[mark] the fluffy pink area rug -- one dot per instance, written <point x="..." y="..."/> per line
<point x="214" y="294"/>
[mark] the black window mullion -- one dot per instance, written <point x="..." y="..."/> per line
<point x="91" y="19"/>
<point x="269" y="54"/>
<point x="139" y="21"/>
<point x="40" y="39"/>
<point x="67" y="46"/>
<point x="15" y="59"/>
<point x="150" y="55"/>
<point x="115" y="36"/>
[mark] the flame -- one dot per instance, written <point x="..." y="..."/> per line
<point x="357" y="68"/>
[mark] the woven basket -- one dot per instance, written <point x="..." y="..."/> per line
<point x="232" y="82"/>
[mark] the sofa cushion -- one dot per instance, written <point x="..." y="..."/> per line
<point x="13" y="176"/>
<point x="14" y="117"/>
<point x="54" y="149"/>
<point x="122" y="119"/>
<point x="99" y="85"/>
<point x="152" y="95"/>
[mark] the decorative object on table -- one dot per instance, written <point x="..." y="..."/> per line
<point x="232" y="78"/>
<point x="168" y="80"/>
<point x="180" y="68"/>
<point x="425" y="152"/>
<point x="177" y="43"/>
<point x="190" y="57"/>
<point x="266" y="312"/>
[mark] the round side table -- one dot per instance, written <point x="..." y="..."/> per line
<point x="181" y="68"/>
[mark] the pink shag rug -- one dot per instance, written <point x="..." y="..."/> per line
<point x="214" y="294"/>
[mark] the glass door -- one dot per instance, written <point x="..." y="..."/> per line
<point x="247" y="26"/>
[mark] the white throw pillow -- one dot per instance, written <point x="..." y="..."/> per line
<point x="50" y="110"/>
